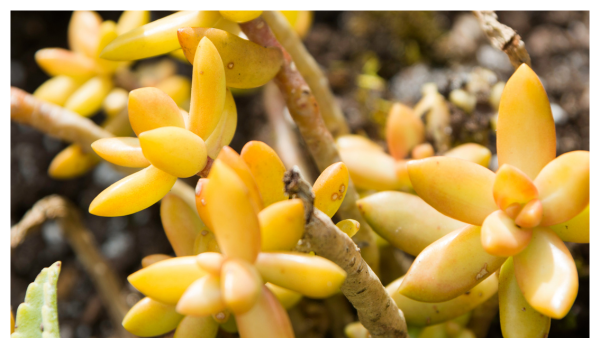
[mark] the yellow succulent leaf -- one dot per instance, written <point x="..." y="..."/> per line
<point x="88" y="98"/>
<point x="211" y="262"/>
<point x="234" y="161"/>
<point x="181" y="224"/>
<point x="500" y="236"/>
<point x="357" y="142"/>
<point x="206" y="242"/>
<point x="349" y="226"/>
<point x="132" y="19"/>
<point x="108" y="32"/>
<point x="434" y="331"/>
<point x="564" y="187"/>
<point x="267" y="319"/>
<point x="404" y="130"/>
<point x="174" y="150"/>
<point x="123" y="151"/>
<point x="241" y="285"/>
<point x="512" y="186"/>
<point x="286" y="297"/>
<point x="577" y="229"/>
<point x="240" y="16"/>
<point x="208" y="90"/>
<point x="422" y="150"/>
<point x="72" y="162"/>
<point x="167" y="280"/>
<point x="84" y="32"/>
<point x="197" y="327"/>
<point x="531" y="214"/>
<point x="371" y="170"/>
<point x="225" y="129"/>
<point x="455" y="187"/>
<point x="526" y="135"/>
<point x="401" y="169"/>
<point x="57" y="89"/>
<point x="546" y="274"/>
<point x="115" y="102"/>
<point x="330" y="188"/>
<point x="201" y="202"/>
<point x="517" y="317"/>
<point x="267" y="170"/>
<point x="231" y="213"/>
<point x="246" y="64"/>
<point x="281" y="225"/>
<point x="133" y="193"/>
<point x="58" y="61"/>
<point x="229" y="26"/>
<point x="149" y="318"/>
<point x="405" y="220"/>
<point x="178" y="88"/>
<point x="202" y="298"/>
<point x="449" y="267"/>
<point x="425" y="314"/>
<point x="299" y="20"/>
<point x="150" y="108"/>
<point x="472" y="152"/>
<point x="151" y="259"/>
<point x="179" y="55"/>
<point x="312" y="276"/>
<point x="157" y="37"/>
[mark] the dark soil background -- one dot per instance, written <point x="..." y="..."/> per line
<point x="410" y="48"/>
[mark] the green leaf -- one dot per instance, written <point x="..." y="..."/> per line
<point x="37" y="317"/>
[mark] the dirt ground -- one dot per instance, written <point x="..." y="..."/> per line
<point x="398" y="51"/>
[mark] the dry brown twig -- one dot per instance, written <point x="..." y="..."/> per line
<point x="105" y="280"/>
<point x="304" y="109"/>
<point x="376" y="309"/>
<point x="504" y="38"/>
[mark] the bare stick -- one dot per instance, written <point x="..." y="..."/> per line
<point x="310" y="70"/>
<point x="504" y="38"/>
<point x="105" y="280"/>
<point x="305" y="111"/>
<point x="376" y="309"/>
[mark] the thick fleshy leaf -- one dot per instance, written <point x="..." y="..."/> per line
<point x="281" y="225"/>
<point x="472" y="152"/>
<point x="208" y="90"/>
<point x="211" y="262"/>
<point x="234" y="161"/>
<point x="178" y="88"/>
<point x="300" y="20"/>
<point x="240" y="16"/>
<point x="449" y="267"/>
<point x="181" y="224"/>
<point x="424" y="314"/>
<point x="357" y="330"/>
<point x="88" y="98"/>
<point x="517" y="317"/>
<point x="405" y="220"/>
<point x="206" y="242"/>
<point x="422" y="150"/>
<point x="312" y="276"/>
<point x="150" y="108"/>
<point x="133" y="193"/>
<point x="286" y="297"/>
<point x="404" y="130"/>
<point x="72" y="162"/>
<point x="58" y="61"/>
<point x="123" y="151"/>
<point x="231" y="213"/>
<point x="401" y="168"/>
<point x="267" y="170"/>
<point x="267" y="319"/>
<point x="202" y="298"/>
<point x="349" y="226"/>
<point x="132" y="19"/>
<point x="500" y="236"/>
<point x="526" y="135"/>
<point x="546" y="274"/>
<point x="201" y="202"/>
<point x="246" y="64"/>
<point x="330" y="188"/>
<point x="241" y="285"/>
<point x="115" y="102"/>
<point x="512" y="186"/>
<point x="157" y="37"/>
<point x="175" y="150"/>
<point x="57" y="89"/>
<point x="225" y="129"/>
<point x="455" y="187"/>
<point x="577" y="229"/>
<point x="149" y="318"/>
<point x="197" y="327"/>
<point x="84" y="32"/>
<point x="167" y="280"/>
<point x="371" y="170"/>
<point x="151" y="259"/>
<point x="531" y="214"/>
<point x="564" y="186"/>
<point x="108" y="32"/>
<point x="357" y="142"/>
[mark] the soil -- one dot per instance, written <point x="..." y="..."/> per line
<point x="401" y="50"/>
